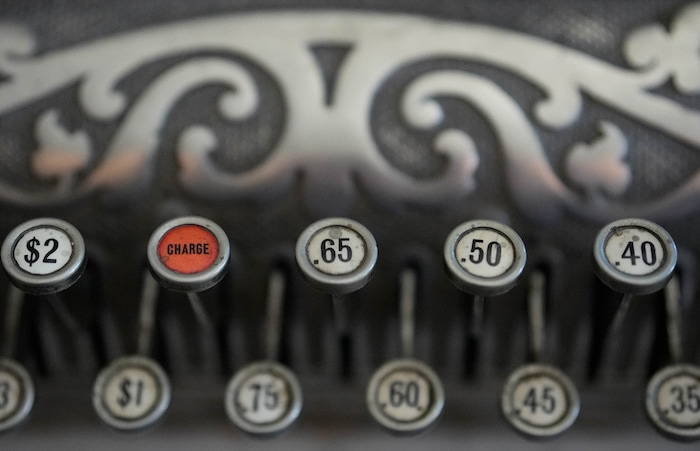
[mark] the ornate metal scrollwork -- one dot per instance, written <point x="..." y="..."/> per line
<point x="326" y="136"/>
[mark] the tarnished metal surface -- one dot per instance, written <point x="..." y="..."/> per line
<point x="554" y="117"/>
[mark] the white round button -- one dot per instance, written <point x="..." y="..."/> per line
<point x="539" y="401"/>
<point x="16" y="394"/>
<point x="189" y="254"/>
<point x="336" y="255"/>
<point x="673" y="401"/>
<point x="132" y="393"/>
<point x="634" y="256"/>
<point x="484" y="258"/>
<point x="263" y="398"/>
<point x="405" y="396"/>
<point x="44" y="256"/>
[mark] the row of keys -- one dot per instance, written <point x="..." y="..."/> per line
<point x="338" y="256"/>
<point x="484" y="258"/>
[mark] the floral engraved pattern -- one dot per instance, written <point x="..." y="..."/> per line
<point x="670" y="54"/>
<point x="61" y="153"/>
<point x="329" y="143"/>
<point x="599" y="167"/>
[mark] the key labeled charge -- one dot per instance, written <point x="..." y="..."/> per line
<point x="188" y="249"/>
<point x="189" y="254"/>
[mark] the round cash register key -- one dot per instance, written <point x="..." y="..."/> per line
<point x="263" y="398"/>
<point x="484" y="258"/>
<point x="336" y="255"/>
<point x="44" y="255"/>
<point x="405" y="396"/>
<point x="673" y="401"/>
<point x="634" y="256"/>
<point x="16" y="394"/>
<point x="132" y="393"/>
<point x="539" y="401"/>
<point x="189" y="254"/>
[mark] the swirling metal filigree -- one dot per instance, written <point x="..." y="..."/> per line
<point x="331" y="144"/>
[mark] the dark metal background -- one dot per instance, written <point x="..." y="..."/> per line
<point x="65" y="349"/>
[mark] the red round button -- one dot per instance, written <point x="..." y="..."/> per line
<point x="188" y="249"/>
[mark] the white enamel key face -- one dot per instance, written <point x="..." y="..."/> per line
<point x="673" y="401"/>
<point x="634" y="256"/>
<point x="539" y="401"/>
<point x="405" y="396"/>
<point x="263" y="398"/>
<point x="16" y="394"/>
<point x="484" y="258"/>
<point x="336" y="255"/>
<point x="44" y="255"/>
<point x="132" y="393"/>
